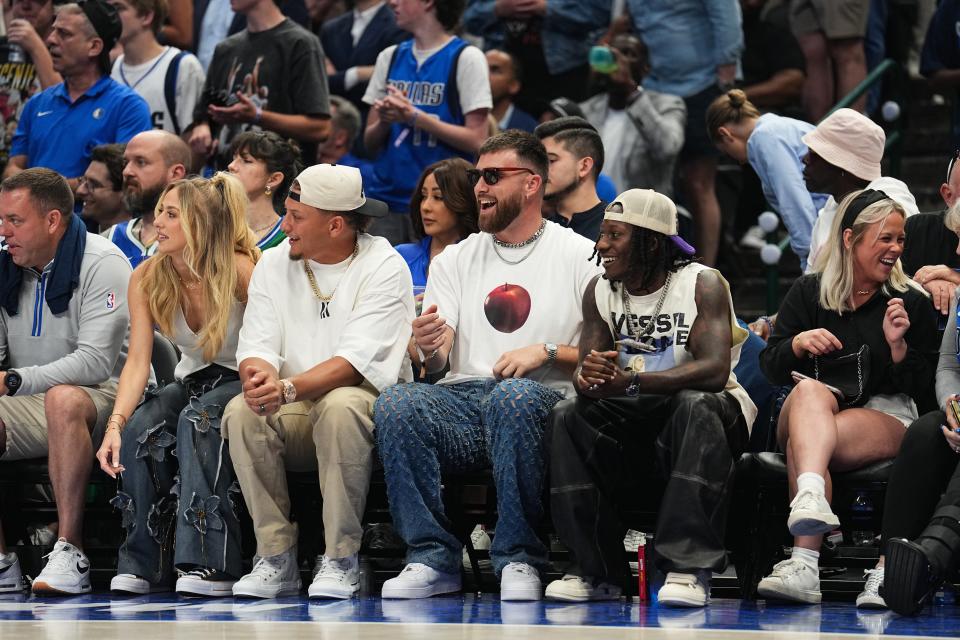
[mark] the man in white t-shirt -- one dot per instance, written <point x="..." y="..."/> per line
<point x="170" y="80"/>
<point x="326" y="328"/>
<point x="660" y="341"/>
<point x="502" y="308"/>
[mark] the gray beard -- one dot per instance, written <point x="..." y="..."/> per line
<point x="506" y="212"/>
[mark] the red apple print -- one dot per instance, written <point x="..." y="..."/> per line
<point x="507" y="307"/>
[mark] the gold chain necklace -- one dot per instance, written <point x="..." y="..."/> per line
<point x="313" y="280"/>
<point x="266" y="226"/>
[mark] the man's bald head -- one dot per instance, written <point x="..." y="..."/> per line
<point x="154" y="159"/>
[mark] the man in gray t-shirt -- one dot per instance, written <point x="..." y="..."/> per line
<point x="63" y="323"/>
<point x="271" y="76"/>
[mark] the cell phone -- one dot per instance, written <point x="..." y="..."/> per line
<point x="955" y="409"/>
<point x="797" y="377"/>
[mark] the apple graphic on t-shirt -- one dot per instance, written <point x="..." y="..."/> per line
<point x="507" y="307"/>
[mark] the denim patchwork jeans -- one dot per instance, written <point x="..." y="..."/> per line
<point x="177" y="428"/>
<point x="423" y="430"/>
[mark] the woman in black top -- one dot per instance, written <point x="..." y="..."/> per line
<point x="857" y="323"/>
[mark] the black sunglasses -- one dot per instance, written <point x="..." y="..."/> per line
<point x="491" y="175"/>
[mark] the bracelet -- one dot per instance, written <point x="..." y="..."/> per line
<point x="117" y="421"/>
<point x="424" y="358"/>
<point x="768" y="322"/>
<point x="259" y="115"/>
<point x="413" y="121"/>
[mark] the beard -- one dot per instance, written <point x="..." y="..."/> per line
<point x="563" y="192"/>
<point x="143" y="201"/>
<point x="505" y="212"/>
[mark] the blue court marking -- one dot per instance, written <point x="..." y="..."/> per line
<point x="733" y="615"/>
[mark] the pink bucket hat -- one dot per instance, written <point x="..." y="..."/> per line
<point x="849" y="140"/>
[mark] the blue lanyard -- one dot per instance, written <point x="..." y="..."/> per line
<point x="123" y="76"/>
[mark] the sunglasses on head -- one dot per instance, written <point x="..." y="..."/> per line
<point x="491" y="175"/>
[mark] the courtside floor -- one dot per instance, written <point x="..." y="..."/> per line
<point x="168" y="617"/>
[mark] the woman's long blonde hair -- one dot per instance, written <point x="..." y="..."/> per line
<point x="835" y="262"/>
<point x="213" y="220"/>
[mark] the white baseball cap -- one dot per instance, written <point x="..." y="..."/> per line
<point x="648" y="209"/>
<point x="334" y="187"/>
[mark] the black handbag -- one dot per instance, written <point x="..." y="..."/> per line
<point x="847" y="373"/>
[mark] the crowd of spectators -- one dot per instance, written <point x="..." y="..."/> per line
<point x="464" y="234"/>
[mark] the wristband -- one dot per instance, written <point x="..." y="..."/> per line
<point x="413" y="121"/>
<point x="768" y="322"/>
<point x="258" y="116"/>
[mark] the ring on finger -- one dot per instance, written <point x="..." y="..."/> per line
<point x="262" y="408"/>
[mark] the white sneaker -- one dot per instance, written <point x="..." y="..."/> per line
<point x="204" y="581"/>
<point x="481" y="542"/>
<point x="792" y="580"/>
<point x="11" y="577"/>
<point x="67" y="571"/>
<point x="870" y="597"/>
<point x="129" y="583"/>
<point x="576" y="589"/>
<point x="810" y="515"/>
<point x="420" y="581"/>
<point x="520" y="581"/>
<point x="337" y="578"/>
<point x="685" y="589"/>
<point x="271" y="577"/>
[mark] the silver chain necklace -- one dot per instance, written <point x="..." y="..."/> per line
<point x="636" y="333"/>
<point x="531" y="241"/>
<point x="520" y="245"/>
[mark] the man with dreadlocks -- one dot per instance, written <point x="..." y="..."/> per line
<point x="655" y="384"/>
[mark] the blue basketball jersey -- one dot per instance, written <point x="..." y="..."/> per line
<point x="409" y="151"/>
<point x="136" y="253"/>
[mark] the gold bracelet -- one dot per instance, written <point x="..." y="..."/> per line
<point x="118" y="420"/>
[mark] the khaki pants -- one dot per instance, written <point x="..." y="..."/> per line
<point x="25" y="420"/>
<point x="334" y="435"/>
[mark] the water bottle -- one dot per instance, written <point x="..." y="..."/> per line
<point x="602" y="60"/>
<point x="862" y="520"/>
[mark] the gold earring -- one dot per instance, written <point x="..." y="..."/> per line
<point x="268" y="190"/>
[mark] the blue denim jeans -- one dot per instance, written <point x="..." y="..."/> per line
<point x="177" y="428"/>
<point x="423" y="430"/>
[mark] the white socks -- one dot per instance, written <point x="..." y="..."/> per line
<point x="812" y="482"/>
<point x="806" y="556"/>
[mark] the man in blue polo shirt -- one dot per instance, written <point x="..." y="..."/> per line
<point x="61" y="125"/>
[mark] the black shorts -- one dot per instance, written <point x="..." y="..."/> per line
<point x="697" y="142"/>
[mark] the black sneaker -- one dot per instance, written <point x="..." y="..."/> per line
<point x="204" y="581"/>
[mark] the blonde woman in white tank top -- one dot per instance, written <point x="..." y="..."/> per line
<point x="175" y="469"/>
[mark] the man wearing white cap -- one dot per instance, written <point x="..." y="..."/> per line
<point x="655" y="388"/>
<point x="846" y="150"/>
<point x="326" y="328"/>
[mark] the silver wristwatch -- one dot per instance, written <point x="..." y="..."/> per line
<point x="633" y="389"/>
<point x="289" y="391"/>
<point x="551" y="350"/>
